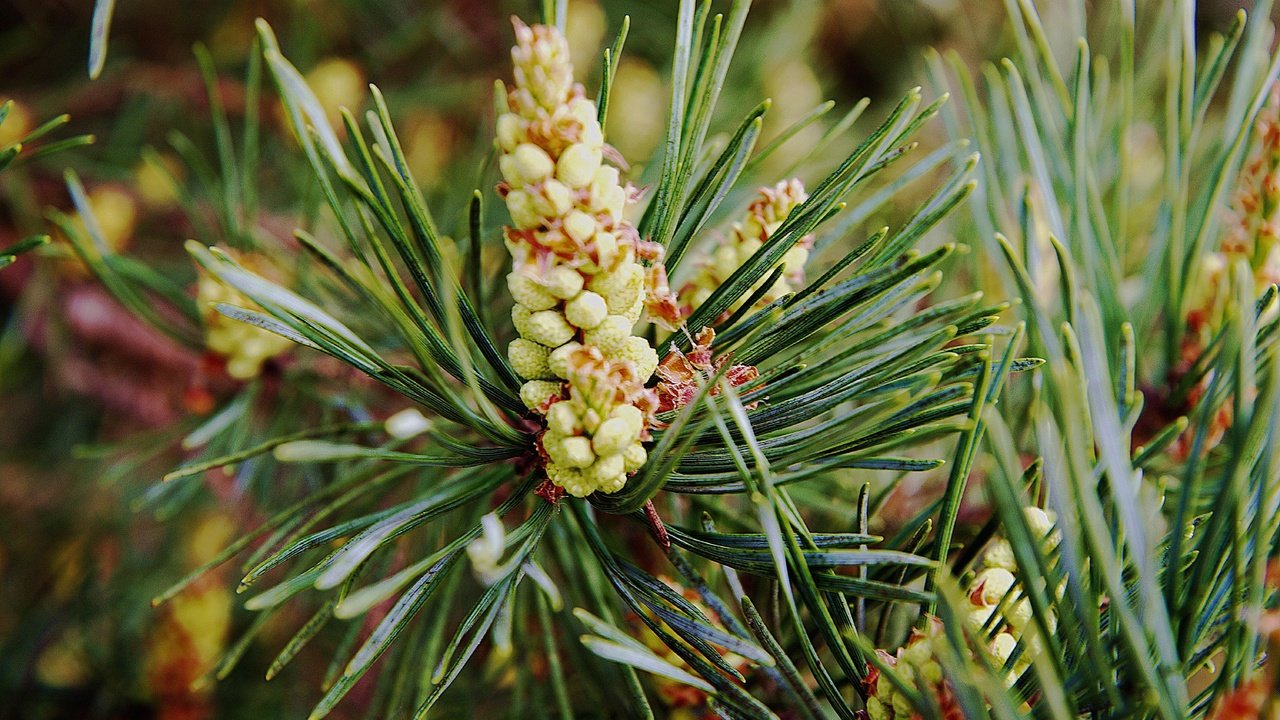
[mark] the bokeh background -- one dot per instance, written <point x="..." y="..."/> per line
<point x="88" y="393"/>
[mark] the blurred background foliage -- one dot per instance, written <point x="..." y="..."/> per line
<point x="83" y="549"/>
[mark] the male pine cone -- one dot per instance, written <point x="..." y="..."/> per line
<point x="998" y="612"/>
<point x="764" y="216"/>
<point x="577" y="284"/>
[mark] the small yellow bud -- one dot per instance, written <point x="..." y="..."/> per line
<point x="615" y="199"/>
<point x="978" y="617"/>
<point x="633" y="313"/>
<point x="17" y="125"/>
<point x="1020" y="614"/>
<point x="613" y="436"/>
<point x="902" y="706"/>
<point x="606" y="249"/>
<point x="1000" y="555"/>
<point x="582" y="110"/>
<point x="116" y="213"/>
<point x="931" y="671"/>
<point x="578" y="165"/>
<point x="1041" y="526"/>
<point x="1002" y="646"/>
<point x="529" y="359"/>
<point x="510" y="131"/>
<point x="510" y="171"/>
<point x="157" y="182"/>
<point x="548" y="327"/>
<point x="528" y="164"/>
<point x="587" y="310"/>
<point x="644" y="357"/>
<point x="763" y="217"/>
<point x="605" y="468"/>
<point x="610" y="336"/>
<point x="254" y="346"/>
<point x="563" y="282"/>
<point x="579" y="226"/>
<point x="577" y="452"/>
<point x="572" y="481"/>
<point x="520" y="316"/>
<point x="605" y="178"/>
<point x="608" y="282"/>
<point x="555" y="199"/>
<point x="526" y="291"/>
<point x="245" y="347"/>
<point x="537" y="392"/>
<point x="562" y="419"/>
<point x="337" y="83"/>
<point x="558" y="360"/>
<point x="631" y="415"/>
<point x="592" y="135"/>
<point x="611" y="484"/>
<point x="244" y="367"/>
<point x="916" y="654"/>
<point x="634" y="457"/>
<point x="629" y="288"/>
<point x="523" y="209"/>
<point x="406" y="424"/>
<point x="995" y="582"/>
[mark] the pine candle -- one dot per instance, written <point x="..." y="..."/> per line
<point x="998" y="611"/>
<point x="763" y="217"/>
<point x="576" y="280"/>
<point x="245" y="347"/>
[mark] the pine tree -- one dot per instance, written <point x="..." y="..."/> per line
<point x="626" y="499"/>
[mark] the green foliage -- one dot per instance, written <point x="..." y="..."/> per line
<point x="98" y="35"/>
<point x="24" y="150"/>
